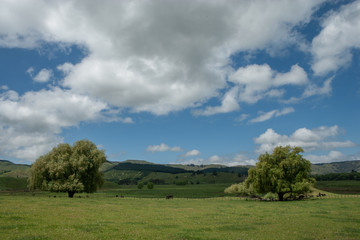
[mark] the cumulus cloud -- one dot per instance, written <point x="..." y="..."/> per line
<point x="163" y="148"/>
<point x="158" y="56"/>
<point x="43" y="75"/>
<point x="259" y="81"/>
<point x="229" y="104"/>
<point x="274" y="113"/>
<point x="256" y="82"/>
<point x="332" y="48"/>
<point x="332" y="156"/>
<point x="191" y="153"/>
<point x="154" y="56"/>
<point x="313" y="90"/>
<point x="308" y="139"/>
<point x="236" y="160"/>
<point x="30" y="123"/>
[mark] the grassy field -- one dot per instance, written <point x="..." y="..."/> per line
<point x="161" y="191"/>
<point x="103" y="216"/>
<point x="11" y="183"/>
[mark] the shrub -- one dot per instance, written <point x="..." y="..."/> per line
<point x="150" y="185"/>
<point x="270" y="196"/>
<point x="140" y="185"/>
<point x="241" y="190"/>
<point x="181" y="182"/>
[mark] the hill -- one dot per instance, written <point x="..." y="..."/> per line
<point x="10" y="169"/>
<point x="134" y="171"/>
<point x="336" y="167"/>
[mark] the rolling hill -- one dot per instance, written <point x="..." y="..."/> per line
<point x="336" y="167"/>
<point x="134" y="171"/>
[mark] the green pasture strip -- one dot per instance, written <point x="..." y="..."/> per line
<point x="12" y="183"/>
<point x="161" y="191"/>
<point x="39" y="217"/>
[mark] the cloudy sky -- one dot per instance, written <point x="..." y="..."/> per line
<point x="190" y="81"/>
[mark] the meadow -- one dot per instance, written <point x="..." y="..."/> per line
<point x="146" y="214"/>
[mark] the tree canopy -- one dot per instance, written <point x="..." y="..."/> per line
<point x="284" y="171"/>
<point x="70" y="169"/>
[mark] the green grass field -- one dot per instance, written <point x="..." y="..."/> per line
<point x="196" y="212"/>
<point x="103" y="216"/>
<point x="161" y="191"/>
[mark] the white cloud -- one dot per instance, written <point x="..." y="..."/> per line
<point x="242" y="117"/>
<point x="274" y="113"/>
<point x="253" y="83"/>
<point x="29" y="124"/>
<point x="308" y="139"/>
<point x="259" y="81"/>
<point x="163" y="148"/>
<point x="43" y="75"/>
<point x="333" y="156"/>
<point x="313" y="90"/>
<point x="340" y="35"/>
<point x="4" y="87"/>
<point x="157" y="56"/>
<point x="191" y="153"/>
<point x="229" y="104"/>
<point x="238" y="159"/>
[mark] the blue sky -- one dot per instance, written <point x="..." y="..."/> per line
<point x="202" y="82"/>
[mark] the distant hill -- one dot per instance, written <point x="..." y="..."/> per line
<point x="336" y="167"/>
<point x="10" y="169"/>
<point x="132" y="171"/>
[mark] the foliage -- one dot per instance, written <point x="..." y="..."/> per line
<point x="181" y="183"/>
<point x="240" y="189"/>
<point x="140" y="185"/>
<point x="69" y="169"/>
<point x="150" y="185"/>
<point x="284" y="171"/>
<point x="270" y="196"/>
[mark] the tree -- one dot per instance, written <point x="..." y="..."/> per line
<point x="140" y="185"/>
<point x="70" y="169"/>
<point x="284" y="171"/>
<point x="150" y="185"/>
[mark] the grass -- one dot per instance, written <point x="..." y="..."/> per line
<point x="103" y="216"/>
<point x="161" y="191"/>
<point x="341" y="186"/>
<point x="11" y="183"/>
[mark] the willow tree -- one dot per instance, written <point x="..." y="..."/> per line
<point x="70" y="169"/>
<point x="284" y="171"/>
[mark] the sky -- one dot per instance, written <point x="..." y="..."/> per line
<point x="186" y="82"/>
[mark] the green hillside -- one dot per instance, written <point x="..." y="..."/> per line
<point x="130" y="172"/>
<point x="10" y="169"/>
<point x="336" y="167"/>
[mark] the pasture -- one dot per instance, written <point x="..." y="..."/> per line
<point x="104" y="216"/>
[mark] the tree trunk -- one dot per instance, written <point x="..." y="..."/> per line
<point x="281" y="196"/>
<point x="71" y="194"/>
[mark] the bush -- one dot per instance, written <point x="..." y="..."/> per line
<point x="181" y="182"/>
<point x="241" y="190"/>
<point x="150" y="185"/>
<point x="140" y="185"/>
<point x="270" y="196"/>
